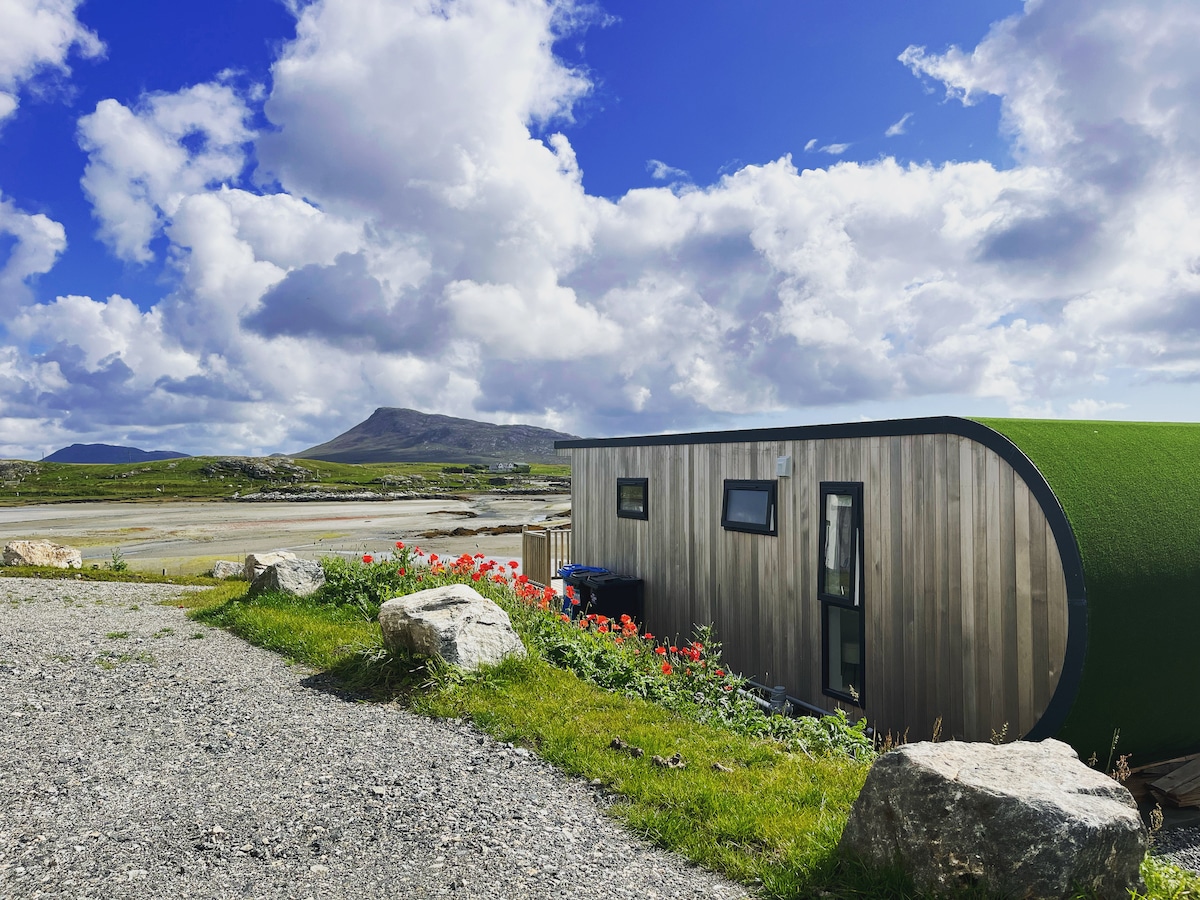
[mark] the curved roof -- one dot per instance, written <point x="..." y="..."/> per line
<point x="1131" y="492"/>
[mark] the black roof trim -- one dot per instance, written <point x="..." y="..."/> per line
<point x="1067" y="689"/>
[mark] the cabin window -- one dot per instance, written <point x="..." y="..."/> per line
<point x="840" y="587"/>
<point x="632" y="498"/>
<point x="749" y="506"/>
<point x="843" y="652"/>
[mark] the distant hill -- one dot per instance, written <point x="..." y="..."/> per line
<point x="107" y="453"/>
<point x="405" y="435"/>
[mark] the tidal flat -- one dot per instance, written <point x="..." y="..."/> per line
<point x="185" y="538"/>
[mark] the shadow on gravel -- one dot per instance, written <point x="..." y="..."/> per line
<point x="374" y="676"/>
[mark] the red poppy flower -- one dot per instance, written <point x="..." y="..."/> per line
<point x="603" y="629"/>
<point x="399" y="545"/>
<point x="476" y="576"/>
<point x="512" y="564"/>
<point x="666" y="669"/>
<point x="648" y="636"/>
<point x="661" y="651"/>
<point x="564" y="617"/>
<point x="720" y="673"/>
<point x="570" y="592"/>
<point x="368" y="558"/>
<point x="401" y="572"/>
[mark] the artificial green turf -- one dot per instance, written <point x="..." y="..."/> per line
<point x="1131" y="491"/>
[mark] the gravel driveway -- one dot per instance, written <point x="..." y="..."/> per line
<point x="143" y="755"/>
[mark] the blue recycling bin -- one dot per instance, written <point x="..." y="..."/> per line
<point x="570" y="574"/>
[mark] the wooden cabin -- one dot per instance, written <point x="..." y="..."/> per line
<point x="1013" y="577"/>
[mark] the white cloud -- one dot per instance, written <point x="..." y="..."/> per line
<point x="811" y="145"/>
<point x="835" y="149"/>
<point x="36" y="36"/>
<point x="1088" y="408"/>
<point x="660" y="171"/>
<point x="37" y="242"/>
<point x="143" y="162"/>
<point x="429" y="249"/>
<point x="899" y="127"/>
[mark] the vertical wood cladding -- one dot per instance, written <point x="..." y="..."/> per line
<point x="964" y="592"/>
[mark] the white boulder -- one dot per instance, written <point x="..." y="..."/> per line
<point x="454" y="622"/>
<point x="224" y="568"/>
<point x="299" y="577"/>
<point x="256" y="563"/>
<point x="42" y="553"/>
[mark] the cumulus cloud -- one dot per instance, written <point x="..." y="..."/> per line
<point x="37" y="241"/>
<point x="37" y="36"/>
<point x="143" y="162"/>
<point x="430" y="243"/>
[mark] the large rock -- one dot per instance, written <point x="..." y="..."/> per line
<point x="256" y="563"/>
<point x="454" y="622"/>
<point x="42" y="553"/>
<point x="224" y="568"/>
<point x="300" y="577"/>
<point x="1024" y="820"/>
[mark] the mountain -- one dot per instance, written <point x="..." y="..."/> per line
<point x="107" y="453"/>
<point x="405" y="435"/>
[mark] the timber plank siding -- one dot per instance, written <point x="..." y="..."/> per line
<point x="963" y="588"/>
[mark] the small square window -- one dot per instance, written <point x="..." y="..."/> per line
<point x="632" y="498"/>
<point x="750" y="506"/>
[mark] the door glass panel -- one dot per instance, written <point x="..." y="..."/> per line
<point x="844" y="650"/>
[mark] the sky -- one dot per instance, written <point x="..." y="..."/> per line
<point x="241" y="226"/>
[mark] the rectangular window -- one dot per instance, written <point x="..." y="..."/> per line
<point x="841" y="542"/>
<point x="840" y="588"/>
<point x="632" y="498"/>
<point x="749" y="506"/>
<point x="843" y="652"/>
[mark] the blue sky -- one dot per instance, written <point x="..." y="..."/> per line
<point x="239" y="227"/>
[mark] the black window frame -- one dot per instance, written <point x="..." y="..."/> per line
<point x="855" y="602"/>
<point x="770" y="486"/>
<point x="644" y="484"/>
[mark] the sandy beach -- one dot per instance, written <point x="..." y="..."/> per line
<point x="186" y="538"/>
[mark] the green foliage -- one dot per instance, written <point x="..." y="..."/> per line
<point x="1165" y="881"/>
<point x="118" y="563"/>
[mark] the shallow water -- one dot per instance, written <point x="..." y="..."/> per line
<point x="186" y="538"/>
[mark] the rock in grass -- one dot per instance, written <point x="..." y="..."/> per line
<point x="1022" y="820"/>
<point x="223" y="568"/>
<point x="256" y="563"/>
<point x="42" y="553"/>
<point x="299" y="577"/>
<point x="455" y="623"/>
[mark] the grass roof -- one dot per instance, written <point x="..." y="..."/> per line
<point x="1131" y="491"/>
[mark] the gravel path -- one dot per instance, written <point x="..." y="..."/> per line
<point x="143" y="755"/>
